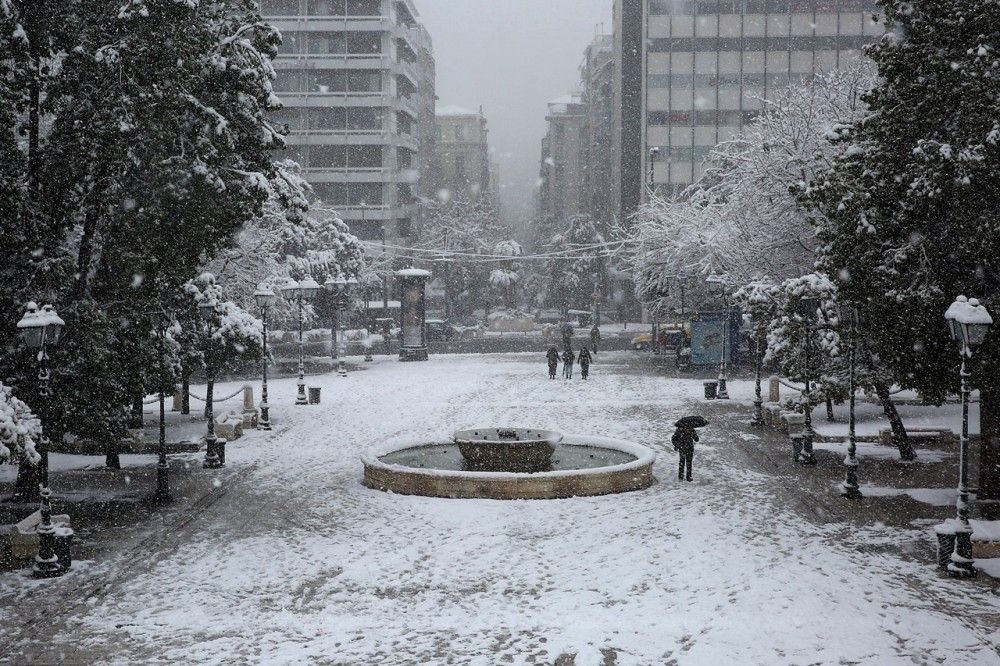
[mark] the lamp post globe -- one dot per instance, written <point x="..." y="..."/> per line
<point x="265" y="299"/>
<point x="41" y="329"/>
<point x="969" y="323"/>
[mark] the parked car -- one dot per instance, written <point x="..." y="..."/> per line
<point x="438" y="330"/>
<point x="641" y="341"/>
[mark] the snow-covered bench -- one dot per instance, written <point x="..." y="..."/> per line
<point x="229" y="427"/>
<point x="923" y="436"/>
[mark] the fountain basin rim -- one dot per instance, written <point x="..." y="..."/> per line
<point x="643" y="457"/>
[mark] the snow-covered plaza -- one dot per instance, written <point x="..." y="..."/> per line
<point x="287" y="558"/>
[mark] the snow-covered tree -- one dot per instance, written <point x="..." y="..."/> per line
<point x="579" y="264"/>
<point x="506" y="278"/>
<point x="20" y="430"/>
<point x="910" y="207"/>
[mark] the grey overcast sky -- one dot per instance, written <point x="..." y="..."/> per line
<point x="511" y="57"/>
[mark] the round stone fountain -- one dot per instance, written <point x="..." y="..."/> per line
<point x="510" y="463"/>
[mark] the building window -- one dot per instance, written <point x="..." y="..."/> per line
<point x="328" y="157"/>
<point x="279" y="7"/>
<point x="404" y="227"/>
<point x="404" y="158"/>
<point x="460" y="167"/>
<point x="322" y="43"/>
<point x="328" y="118"/>
<point x="364" y="157"/>
<point x="291" y="42"/>
<point x="364" y="80"/>
<point x="363" y="118"/>
<point x="459" y="132"/>
<point x="364" y="43"/>
<point x="368" y="194"/>
<point x="326" y="7"/>
<point x="286" y="81"/>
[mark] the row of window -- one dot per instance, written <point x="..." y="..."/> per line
<point x="778" y="43"/>
<point x="700" y="7"/>
<point x="328" y="80"/>
<point x="687" y="118"/>
<point x="332" y="118"/>
<point x="685" y="153"/>
<point x="331" y="43"/>
<point x="336" y="157"/>
<point x="756" y="80"/>
<point x="321" y="7"/>
<point x="349" y="194"/>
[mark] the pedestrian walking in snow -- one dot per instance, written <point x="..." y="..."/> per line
<point x="585" y="360"/>
<point x="568" y="358"/>
<point x="595" y="337"/>
<point x="683" y="440"/>
<point x="552" y="355"/>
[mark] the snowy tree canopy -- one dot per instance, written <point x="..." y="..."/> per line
<point x="20" y="429"/>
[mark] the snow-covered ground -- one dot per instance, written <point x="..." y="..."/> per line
<point x="296" y="562"/>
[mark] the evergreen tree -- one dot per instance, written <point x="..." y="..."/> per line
<point x="910" y="209"/>
<point x="579" y="266"/>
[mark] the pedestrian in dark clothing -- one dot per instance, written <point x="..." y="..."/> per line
<point x="552" y="355"/>
<point x="595" y="337"/>
<point x="568" y="358"/>
<point x="585" y="360"/>
<point x="683" y="440"/>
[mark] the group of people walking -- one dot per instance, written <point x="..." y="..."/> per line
<point x="568" y="358"/>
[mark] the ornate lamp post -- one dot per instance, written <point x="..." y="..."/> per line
<point x="41" y="329"/>
<point x="215" y="453"/>
<point x="758" y="362"/>
<point x="343" y="288"/>
<point x="300" y="292"/>
<point x="265" y="301"/>
<point x="807" y="310"/>
<point x="160" y="321"/>
<point x="969" y="322"/>
<point x="848" y="317"/>
<point x="723" y="393"/>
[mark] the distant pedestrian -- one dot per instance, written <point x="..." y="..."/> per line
<point x="585" y="360"/>
<point x="595" y="337"/>
<point x="568" y="358"/>
<point x="683" y="440"/>
<point x="552" y="356"/>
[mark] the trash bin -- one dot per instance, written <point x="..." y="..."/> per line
<point x="711" y="390"/>
<point x="63" y="546"/>
<point x="314" y="395"/>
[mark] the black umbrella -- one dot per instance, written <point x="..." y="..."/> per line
<point x="692" y="422"/>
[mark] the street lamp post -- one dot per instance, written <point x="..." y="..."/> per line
<point x="758" y="400"/>
<point x="41" y="329"/>
<point x="807" y="310"/>
<point x="969" y="322"/>
<point x="343" y="289"/>
<point x="654" y="154"/>
<point x="265" y="299"/>
<point x="215" y="453"/>
<point x="850" y="490"/>
<point x="723" y="391"/>
<point x="301" y="292"/>
<point x="161" y="321"/>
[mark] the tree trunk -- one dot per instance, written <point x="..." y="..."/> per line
<point x="989" y="447"/>
<point x="186" y="394"/>
<point x="135" y="422"/>
<point x="111" y="451"/>
<point x="829" y="409"/>
<point x="899" y="435"/>
<point x="26" y="485"/>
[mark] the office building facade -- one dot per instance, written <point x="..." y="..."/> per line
<point x="357" y="81"/>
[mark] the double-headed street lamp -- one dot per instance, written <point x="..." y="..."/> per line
<point x="849" y="317"/>
<point x="215" y="451"/>
<point x="969" y="322"/>
<point x="265" y="299"/>
<point x="161" y="321"/>
<point x="41" y="329"/>
<point x="807" y="311"/>
<point x="300" y="292"/>
<point x="342" y="288"/>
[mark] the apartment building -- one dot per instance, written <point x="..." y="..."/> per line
<point x="463" y="152"/>
<point x="357" y="81"/>
<point x="597" y="85"/>
<point x="703" y="68"/>
<point x="561" y="182"/>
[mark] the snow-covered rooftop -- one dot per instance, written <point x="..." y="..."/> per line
<point x="452" y="110"/>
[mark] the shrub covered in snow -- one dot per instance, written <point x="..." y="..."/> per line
<point x="19" y="429"/>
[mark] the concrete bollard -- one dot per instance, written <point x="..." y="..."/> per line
<point x="774" y="390"/>
<point x="178" y="399"/>
<point x="249" y="408"/>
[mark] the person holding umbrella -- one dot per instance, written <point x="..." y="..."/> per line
<point x="552" y="355"/>
<point x="683" y="440"/>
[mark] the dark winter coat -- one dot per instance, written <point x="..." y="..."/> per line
<point x="567" y="356"/>
<point x="552" y="356"/>
<point x="684" y="439"/>
<point x="585" y="357"/>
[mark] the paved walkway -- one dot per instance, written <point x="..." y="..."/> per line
<point x="285" y="558"/>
